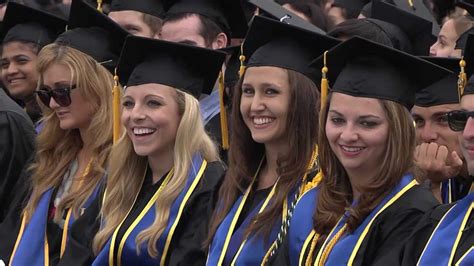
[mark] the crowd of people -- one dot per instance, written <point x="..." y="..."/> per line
<point x="237" y="132"/>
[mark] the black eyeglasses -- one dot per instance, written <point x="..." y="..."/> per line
<point x="457" y="119"/>
<point x="61" y="96"/>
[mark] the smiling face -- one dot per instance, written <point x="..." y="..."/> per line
<point x="466" y="139"/>
<point x="357" y="131"/>
<point x="264" y="103"/>
<point x="151" y="117"/>
<point x="79" y="113"/>
<point x="19" y="73"/>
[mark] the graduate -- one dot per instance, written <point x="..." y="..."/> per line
<point x="163" y="171"/>
<point x="273" y="146"/>
<point x="368" y="200"/>
<point x="445" y="236"/>
<point x="437" y="143"/>
<point x="75" y="93"/>
<point x="24" y="32"/>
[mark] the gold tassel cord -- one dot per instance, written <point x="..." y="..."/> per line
<point x="462" y="78"/>
<point x="99" y="5"/>
<point x="309" y="259"/>
<point x="324" y="82"/>
<point x="116" y="108"/>
<point x="242" y="61"/>
<point x="223" y="113"/>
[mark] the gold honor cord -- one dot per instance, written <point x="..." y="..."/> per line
<point x="69" y="212"/>
<point x="140" y="216"/>
<point x="114" y="236"/>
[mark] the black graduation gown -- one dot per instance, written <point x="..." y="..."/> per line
<point x="383" y="243"/>
<point x="213" y="128"/>
<point x="186" y="244"/>
<point x="17" y="139"/>
<point x="422" y="232"/>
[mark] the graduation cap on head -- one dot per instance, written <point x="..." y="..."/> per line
<point x="151" y="7"/>
<point x="23" y="23"/>
<point x="228" y="14"/>
<point x="231" y="74"/>
<point x="446" y="90"/>
<point x="418" y="8"/>
<point x="352" y="7"/>
<point x="273" y="43"/>
<point x="94" y="34"/>
<point x="192" y="69"/>
<point x="279" y="13"/>
<point x="416" y="28"/>
<point x="362" y="68"/>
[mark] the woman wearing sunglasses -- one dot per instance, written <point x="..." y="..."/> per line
<point x="368" y="200"/>
<point x="73" y="146"/>
<point x="26" y="31"/>
<point x="445" y="236"/>
<point x="165" y="168"/>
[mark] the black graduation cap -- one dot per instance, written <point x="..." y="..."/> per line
<point x="23" y="23"/>
<point x="93" y="33"/>
<point x="444" y="91"/>
<point x="416" y="28"/>
<point x="469" y="89"/>
<point x="461" y="41"/>
<point x="231" y="74"/>
<point x="352" y="7"/>
<point x="276" y="11"/>
<point x="151" y="7"/>
<point x="273" y="43"/>
<point x="467" y="5"/>
<point x="362" y="68"/>
<point x="228" y="14"/>
<point x="418" y="8"/>
<point x="189" y="68"/>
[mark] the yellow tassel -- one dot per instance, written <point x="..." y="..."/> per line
<point x="242" y="61"/>
<point x="99" y="5"/>
<point x="411" y="4"/>
<point x="324" y="83"/>
<point x="462" y="78"/>
<point x="223" y="114"/>
<point x="116" y="108"/>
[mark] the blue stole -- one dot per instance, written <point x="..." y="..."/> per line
<point x="31" y="247"/>
<point x="442" y="245"/>
<point x="301" y="225"/>
<point x="127" y="252"/>
<point x="210" y="106"/>
<point x="346" y="249"/>
<point x="229" y="245"/>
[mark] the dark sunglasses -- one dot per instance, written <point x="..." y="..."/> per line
<point x="457" y="119"/>
<point x="61" y="96"/>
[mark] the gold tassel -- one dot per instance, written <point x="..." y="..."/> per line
<point x="324" y="82"/>
<point x="99" y="5"/>
<point x="242" y="61"/>
<point x="223" y="114"/>
<point x="116" y="108"/>
<point x="411" y="4"/>
<point x="462" y="78"/>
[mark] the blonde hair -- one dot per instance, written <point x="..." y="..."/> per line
<point x="57" y="148"/>
<point x="127" y="170"/>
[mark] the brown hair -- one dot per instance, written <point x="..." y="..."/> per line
<point x="153" y="22"/>
<point x="208" y="28"/>
<point x="335" y="194"/>
<point x="245" y="154"/>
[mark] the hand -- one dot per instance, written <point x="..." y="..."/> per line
<point x="436" y="162"/>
